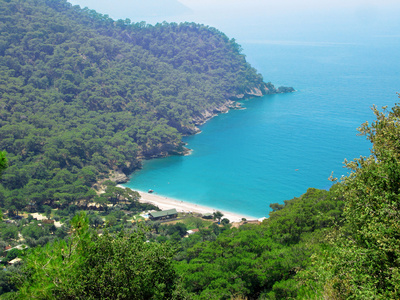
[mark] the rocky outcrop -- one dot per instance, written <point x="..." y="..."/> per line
<point x="259" y="91"/>
<point x="118" y="176"/>
<point x="214" y="111"/>
<point x="255" y="92"/>
<point x="285" y="89"/>
<point x="163" y="150"/>
<point x="263" y="89"/>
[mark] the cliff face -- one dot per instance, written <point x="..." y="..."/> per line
<point x="118" y="176"/>
<point x="264" y="89"/>
<point x="259" y="91"/>
<point x="254" y="92"/>
<point x="214" y="111"/>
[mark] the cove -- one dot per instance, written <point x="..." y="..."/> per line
<point x="280" y="145"/>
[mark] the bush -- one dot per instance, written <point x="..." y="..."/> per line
<point x="224" y="221"/>
<point x="11" y="254"/>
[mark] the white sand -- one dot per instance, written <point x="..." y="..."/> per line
<point x="165" y="203"/>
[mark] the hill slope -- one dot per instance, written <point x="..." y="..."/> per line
<point x="82" y="94"/>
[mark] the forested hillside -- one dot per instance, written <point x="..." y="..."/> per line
<point x="82" y="94"/>
<point x="262" y="261"/>
<point x="83" y="97"/>
<point x="218" y="262"/>
<point x="336" y="244"/>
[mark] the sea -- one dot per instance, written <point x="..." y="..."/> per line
<point x="281" y="145"/>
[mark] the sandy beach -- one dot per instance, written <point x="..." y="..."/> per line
<point x="165" y="203"/>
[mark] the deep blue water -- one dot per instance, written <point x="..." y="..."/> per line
<point x="283" y="144"/>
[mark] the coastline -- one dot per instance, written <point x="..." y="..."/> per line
<point x="165" y="203"/>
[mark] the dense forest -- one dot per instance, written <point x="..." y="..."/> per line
<point x="84" y="98"/>
<point x="337" y="244"/>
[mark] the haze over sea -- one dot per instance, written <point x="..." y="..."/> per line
<point x="340" y="61"/>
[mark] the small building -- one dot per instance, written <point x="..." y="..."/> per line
<point x="192" y="231"/>
<point x="163" y="215"/>
<point x="207" y="216"/>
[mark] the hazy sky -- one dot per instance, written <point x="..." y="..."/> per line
<point x="261" y="20"/>
<point x="289" y="4"/>
<point x="282" y="6"/>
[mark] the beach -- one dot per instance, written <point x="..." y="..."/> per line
<point x="165" y="203"/>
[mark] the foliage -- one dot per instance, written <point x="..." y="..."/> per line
<point x="7" y="288"/>
<point x="364" y="261"/>
<point x="88" y="266"/>
<point x="179" y="228"/>
<point x="259" y="260"/>
<point x="194" y="222"/>
<point x="13" y="253"/>
<point x="218" y="215"/>
<point x="3" y="161"/>
<point x="8" y="231"/>
<point x="115" y="195"/>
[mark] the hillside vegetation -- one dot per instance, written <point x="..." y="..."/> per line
<point x="82" y="95"/>
<point x="336" y="244"/>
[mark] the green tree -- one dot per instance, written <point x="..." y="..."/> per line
<point x="225" y="221"/>
<point x="260" y="261"/>
<point x="88" y="266"/>
<point x="218" y="215"/>
<point x="9" y="232"/>
<point x="13" y="253"/>
<point x="3" y="166"/>
<point x="6" y="285"/>
<point x="365" y="260"/>
<point x="116" y="194"/>
<point x="3" y="161"/>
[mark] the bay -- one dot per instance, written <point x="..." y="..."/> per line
<point x="280" y="145"/>
<point x="341" y="57"/>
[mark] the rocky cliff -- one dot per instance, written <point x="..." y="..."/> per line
<point x="259" y="91"/>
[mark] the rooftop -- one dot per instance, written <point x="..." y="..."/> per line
<point x="159" y="214"/>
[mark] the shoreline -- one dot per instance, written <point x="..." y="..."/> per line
<point x="165" y="203"/>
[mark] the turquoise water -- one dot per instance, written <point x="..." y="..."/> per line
<point x="282" y="144"/>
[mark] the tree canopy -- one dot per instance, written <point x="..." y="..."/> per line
<point x="337" y="244"/>
<point x="364" y="262"/>
<point x="82" y="94"/>
<point x="3" y="161"/>
<point x="89" y="266"/>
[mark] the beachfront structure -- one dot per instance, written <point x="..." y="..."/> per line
<point x="163" y="215"/>
<point x="207" y="216"/>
